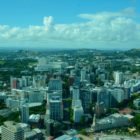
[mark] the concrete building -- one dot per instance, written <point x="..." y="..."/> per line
<point x="15" y="83"/>
<point x="76" y="104"/>
<point x="77" y="113"/>
<point x="83" y="74"/>
<point x="39" y="81"/>
<point x="114" y="137"/>
<point x="117" y="95"/>
<point x="75" y="96"/>
<point x="86" y="98"/>
<point x="34" y="118"/>
<point x="99" y="109"/>
<point x="25" y="113"/>
<point x="66" y="137"/>
<point x="50" y="66"/>
<point x="112" y="121"/>
<point x="103" y="95"/>
<point x="14" y="103"/>
<point x="136" y="103"/>
<point x="127" y="92"/>
<point x="55" y="84"/>
<point x="19" y="83"/>
<point x="56" y="110"/>
<point x="55" y="105"/>
<point x="118" y="76"/>
<point x="133" y="84"/>
<point x="12" y="131"/>
<point x="35" y="95"/>
<point x="34" y="134"/>
<point x="75" y="93"/>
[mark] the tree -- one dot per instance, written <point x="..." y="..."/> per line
<point x="136" y="121"/>
<point x="82" y="121"/>
<point x="71" y="114"/>
<point x="83" y="132"/>
<point x="2" y="119"/>
<point x="14" y="116"/>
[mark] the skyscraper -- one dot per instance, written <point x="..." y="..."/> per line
<point x="55" y="105"/>
<point x="25" y="113"/>
<point x="55" y="84"/>
<point x="83" y="74"/>
<point x="118" y="76"/>
<point x="56" y="108"/>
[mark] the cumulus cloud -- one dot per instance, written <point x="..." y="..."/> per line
<point x="48" y="21"/>
<point x="104" y="27"/>
<point x="128" y="12"/>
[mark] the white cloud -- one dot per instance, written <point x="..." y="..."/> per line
<point x="100" y="28"/>
<point x="48" y="21"/>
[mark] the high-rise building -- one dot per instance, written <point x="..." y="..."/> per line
<point x="76" y="104"/>
<point x="86" y="98"/>
<point x="117" y="95"/>
<point x="77" y="113"/>
<point x="55" y="84"/>
<point x="127" y="92"/>
<point x="118" y="76"/>
<point x="56" y="108"/>
<point x="75" y="96"/>
<point x="99" y="109"/>
<point x="25" y="113"/>
<point x="83" y="74"/>
<point x="12" y="131"/>
<point x="39" y="81"/>
<point x="75" y="93"/>
<point x="15" y="83"/>
<point x="55" y="105"/>
<point x="103" y="95"/>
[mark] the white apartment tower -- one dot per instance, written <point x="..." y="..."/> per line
<point x="12" y="131"/>
<point x="76" y="105"/>
<point x="83" y="74"/>
<point x="118" y="76"/>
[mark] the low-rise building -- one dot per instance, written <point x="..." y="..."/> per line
<point x="136" y="103"/>
<point x="112" y="121"/>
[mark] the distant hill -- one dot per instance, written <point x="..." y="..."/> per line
<point x="133" y="53"/>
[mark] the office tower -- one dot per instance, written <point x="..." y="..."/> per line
<point x="99" y="109"/>
<point x="56" y="108"/>
<point x="35" y="95"/>
<point x="55" y="84"/>
<point x="83" y="74"/>
<point x="12" y="131"/>
<point x="75" y="96"/>
<point x="77" y="113"/>
<point x="76" y="104"/>
<point x="75" y="93"/>
<point x="103" y="95"/>
<point x="24" y="113"/>
<point x="127" y="92"/>
<point x="86" y="98"/>
<point x="118" y="76"/>
<point x="117" y="95"/>
<point x="55" y="105"/>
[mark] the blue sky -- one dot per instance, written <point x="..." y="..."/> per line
<point x="65" y="23"/>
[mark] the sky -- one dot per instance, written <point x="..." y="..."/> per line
<point x="97" y="24"/>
